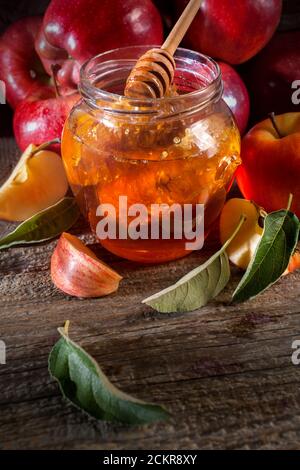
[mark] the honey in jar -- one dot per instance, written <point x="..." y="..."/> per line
<point x="179" y="150"/>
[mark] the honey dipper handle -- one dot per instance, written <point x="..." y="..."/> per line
<point x="176" y="35"/>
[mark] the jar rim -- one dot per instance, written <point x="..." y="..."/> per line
<point x="91" y="93"/>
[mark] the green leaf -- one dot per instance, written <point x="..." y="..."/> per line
<point x="83" y="383"/>
<point x="44" y="225"/>
<point x="196" y="288"/>
<point x="272" y="256"/>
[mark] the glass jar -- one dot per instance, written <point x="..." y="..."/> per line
<point x="181" y="149"/>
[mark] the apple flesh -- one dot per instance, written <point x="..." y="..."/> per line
<point x="41" y="118"/>
<point x="232" y="31"/>
<point x="77" y="271"/>
<point x="37" y="182"/>
<point x="20" y="67"/>
<point x="242" y="248"/>
<point x="235" y="95"/>
<point x="73" y="31"/>
<point x="270" y="76"/>
<point x="270" y="168"/>
<point x="294" y="263"/>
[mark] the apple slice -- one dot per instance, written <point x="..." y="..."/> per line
<point x="77" y="271"/>
<point x="37" y="182"/>
<point x="294" y="263"/>
<point x="243" y="246"/>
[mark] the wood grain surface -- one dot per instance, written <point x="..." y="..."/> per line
<point x="224" y="372"/>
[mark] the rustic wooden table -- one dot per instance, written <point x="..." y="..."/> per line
<point x="224" y="372"/>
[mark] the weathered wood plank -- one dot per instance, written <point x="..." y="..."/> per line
<point x="224" y="371"/>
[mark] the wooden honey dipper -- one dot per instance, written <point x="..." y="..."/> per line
<point x="153" y="73"/>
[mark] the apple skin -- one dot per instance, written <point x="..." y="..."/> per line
<point x="270" y="168"/>
<point x="41" y="118"/>
<point x="269" y="76"/>
<point x="77" y="271"/>
<point x="73" y="31"/>
<point x="232" y="31"/>
<point x="235" y="95"/>
<point x="20" y="66"/>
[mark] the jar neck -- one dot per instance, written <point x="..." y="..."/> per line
<point x="103" y="78"/>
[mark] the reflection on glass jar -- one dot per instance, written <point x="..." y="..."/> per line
<point x="181" y="149"/>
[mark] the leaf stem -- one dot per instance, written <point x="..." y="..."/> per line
<point x="290" y="202"/>
<point x="66" y="327"/>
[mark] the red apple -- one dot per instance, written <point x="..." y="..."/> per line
<point x="75" y="30"/>
<point x="41" y="118"/>
<point x="232" y="31"/>
<point x="235" y="95"/>
<point x="271" y="74"/>
<point x="270" y="168"/>
<point x="20" y="66"/>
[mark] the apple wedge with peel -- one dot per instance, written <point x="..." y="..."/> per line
<point x="37" y="182"/>
<point x="242" y="248"/>
<point x="77" y="271"/>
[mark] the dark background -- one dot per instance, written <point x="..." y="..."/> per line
<point x="11" y="10"/>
